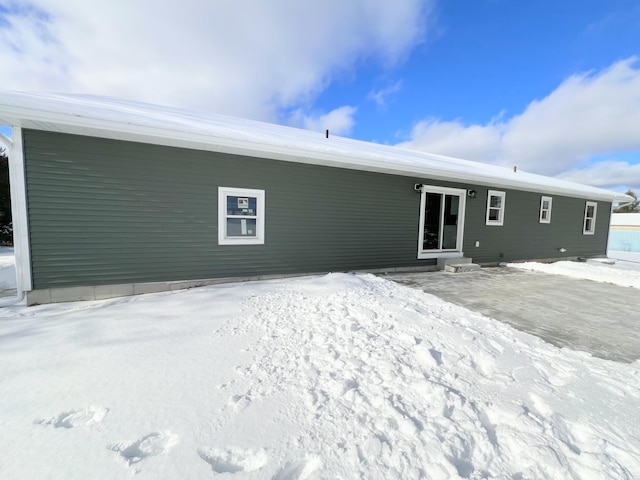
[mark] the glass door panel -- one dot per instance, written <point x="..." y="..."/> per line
<point x="432" y="221"/>
<point x="450" y="222"/>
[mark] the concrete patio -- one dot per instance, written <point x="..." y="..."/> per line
<point x="598" y="318"/>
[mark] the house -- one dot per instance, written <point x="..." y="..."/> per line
<point x="116" y="198"/>
<point x="624" y="234"/>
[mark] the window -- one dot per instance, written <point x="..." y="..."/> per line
<point x="240" y="216"/>
<point x="589" y="227"/>
<point x="495" y="207"/>
<point x="545" y="209"/>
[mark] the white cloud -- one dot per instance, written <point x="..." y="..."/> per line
<point x="242" y="57"/>
<point x="474" y="142"/>
<point x="587" y="115"/>
<point x="381" y="96"/>
<point x="607" y="174"/>
<point x="339" y="121"/>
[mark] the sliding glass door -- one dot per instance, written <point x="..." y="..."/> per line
<point x="441" y="221"/>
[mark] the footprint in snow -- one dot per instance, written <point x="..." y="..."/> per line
<point x="234" y="460"/>
<point x="155" y="443"/>
<point x="75" y="418"/>
<point x="300" y="470"/>
<point x="361" y="313"/>
<point x="428" y="357"/>
<point x="237" y="403"/>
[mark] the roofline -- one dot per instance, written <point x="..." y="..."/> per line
<point x="74" y="123"/>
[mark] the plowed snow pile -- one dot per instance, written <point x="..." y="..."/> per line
<point x="340" y="376"/>
<point x="625" y="274"/>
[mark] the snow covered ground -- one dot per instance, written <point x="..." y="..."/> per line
<point x="628" y="257"/>
<point x="336" y="376"/>
<point x="625" y="273"/>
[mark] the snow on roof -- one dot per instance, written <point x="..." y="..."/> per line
<point x="125" y="120"/>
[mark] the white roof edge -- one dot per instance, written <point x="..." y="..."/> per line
<point x="108" y="118"/>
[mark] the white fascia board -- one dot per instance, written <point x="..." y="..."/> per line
<point x="19" y="212"/>
<point x="293" y="145"/>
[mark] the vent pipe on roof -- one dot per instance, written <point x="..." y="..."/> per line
<point x="326" y="133"/>
<point x="515" y="168"/>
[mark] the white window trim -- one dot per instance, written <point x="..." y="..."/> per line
<point x="593" y="223"/>
<point x="542" y="209"/>
<point x="449" y="253"/>
<point x="223" y="193"/>
<point x="502" y="195"/>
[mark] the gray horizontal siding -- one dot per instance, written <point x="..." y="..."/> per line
<point x="107" y="212"/>
<point x="522" y="237"/>
<point x="104" y="211"/>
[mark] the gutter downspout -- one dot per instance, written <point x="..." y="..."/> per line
<point x="621" y="205"/>
<point x="6" y="302"/>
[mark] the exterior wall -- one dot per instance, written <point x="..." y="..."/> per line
<point x="107" y="212"/>
<point x="111" y="212"/>
<point x="624" y="235"/>
<point x="624" y="239"/>
<point x="522" y="237"/>
<point x="625" y="221"/>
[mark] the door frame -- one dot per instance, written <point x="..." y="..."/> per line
<point x="442" y="253"/>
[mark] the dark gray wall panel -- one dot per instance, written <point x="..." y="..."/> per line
<point x="523" y="237"/>
<point x="106" y="212"/>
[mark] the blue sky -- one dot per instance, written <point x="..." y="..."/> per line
<point x="550" y="86"/>
<point x="491" y="57"/>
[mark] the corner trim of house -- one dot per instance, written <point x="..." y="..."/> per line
<point x="20" y="216"/>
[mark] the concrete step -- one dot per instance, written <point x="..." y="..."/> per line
<point x="461" y="267"/>
<point x="444" y="261"/>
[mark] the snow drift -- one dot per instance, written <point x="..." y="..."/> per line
<point x="339" y="376"/>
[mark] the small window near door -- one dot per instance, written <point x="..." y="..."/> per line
<point x="545" y="209"/>
<point x="240" y="216"/>
<point x="495" y="207"/>
<point x="590" y="210"/>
